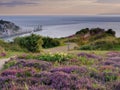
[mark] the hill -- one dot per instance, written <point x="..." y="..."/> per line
<point x="95" y="39"/>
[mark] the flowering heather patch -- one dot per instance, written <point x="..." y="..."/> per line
<point x="64" y="81"/>
<point x="42" y="87"/>
<point x="112" y="62"/>
<point x="108" y="68"/>
<point x="9" y="72"/>
<point x="116" y="85"/>
<point x="31" y="74"/>
<point x="6" y="82"/>
<point x="71" y="69"/>
<point x="115" y="59"/>
<point x="92" y="56"/>
<point x="21" y="63"/>
<point x="42" y="65"/>
<point x="113" y="54"/>
<point x="105" y="76"/>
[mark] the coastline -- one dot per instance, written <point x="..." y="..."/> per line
<point x="58" y="31"/>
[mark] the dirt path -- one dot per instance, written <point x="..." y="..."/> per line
<point x="2" y="62"/>
<point x="62" y="48"/>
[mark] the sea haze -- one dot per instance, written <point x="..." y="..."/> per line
<point x="62" y="26"/>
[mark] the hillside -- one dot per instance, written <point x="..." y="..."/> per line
<point x="32" y="69"/>
<point x="95" y="39"/>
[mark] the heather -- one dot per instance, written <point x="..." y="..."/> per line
<point x="82" y="71"/>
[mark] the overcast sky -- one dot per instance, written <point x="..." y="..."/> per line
<point x="59" y="7"/>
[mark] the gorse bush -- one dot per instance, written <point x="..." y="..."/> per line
<point x="54" y="57"/>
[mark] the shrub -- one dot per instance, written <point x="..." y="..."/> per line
<point x="86" y="47"/>
<point x="83" y="31"/>
<point x="110" y="32"/>
<point x="32" y="43"/>
<point x="50" y="42"/>
<point x="60" y="57"/>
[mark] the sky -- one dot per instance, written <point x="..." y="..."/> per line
<point x="59" y="7"/>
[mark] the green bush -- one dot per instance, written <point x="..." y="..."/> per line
<point x="110" y="32"/>
<point x="32" y="43"/>
<point x="83" y="31"/>
<point x="50" y="42"/>
<point x="86" y="47"/>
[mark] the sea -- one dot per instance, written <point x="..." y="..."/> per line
<point x="57" y="26"/>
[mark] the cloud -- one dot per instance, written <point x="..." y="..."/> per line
<point x="16" y="3"/>
<point x="13" y="3"/>
<point x="108" y="1"/>
<point x="59" y="6"/>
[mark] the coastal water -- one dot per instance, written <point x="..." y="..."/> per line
<point x="62" y="26"/>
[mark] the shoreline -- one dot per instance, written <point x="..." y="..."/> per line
<point x="57" y="31"/>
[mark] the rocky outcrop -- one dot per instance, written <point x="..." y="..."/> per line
<point x="7" y="28"/>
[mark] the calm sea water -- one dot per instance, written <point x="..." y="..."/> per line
<point x="61" y="26"/>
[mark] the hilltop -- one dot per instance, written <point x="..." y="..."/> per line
<point x="95" y="39"/>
